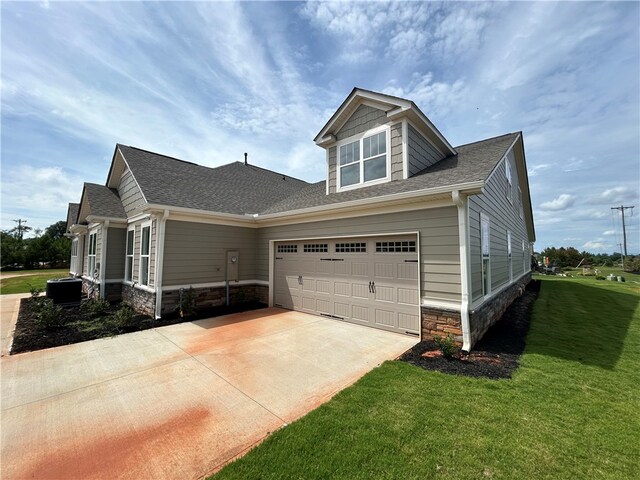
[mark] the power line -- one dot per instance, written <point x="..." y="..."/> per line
<point x="622" y="208"/>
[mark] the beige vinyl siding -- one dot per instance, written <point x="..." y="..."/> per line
<point x="503" y="215"/>
<point x="130" y="194"/>
<point x="333" y="175"/>
<point x="420" y="152"/>
<point x="363" y="119"/>
<point x="116" y="239"/>
<point x="196" y="252"/>
<point x="397" y="167"/>
<point x="439" y="245"/>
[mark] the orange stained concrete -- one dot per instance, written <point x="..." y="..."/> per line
<point x="176" y="401"/>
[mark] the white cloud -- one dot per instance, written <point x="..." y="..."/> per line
<point x="596" y="245"/>
<point x="609" y="232"/>
<point x="562" y="202"/>
<point x="618" y="194"/>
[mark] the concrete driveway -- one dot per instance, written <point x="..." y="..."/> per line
<point x="177" y="401"/>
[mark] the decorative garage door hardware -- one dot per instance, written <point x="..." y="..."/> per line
<point x="372" y="287"/>
<point x="411" y="261"/>
<point x="332" y="259"/>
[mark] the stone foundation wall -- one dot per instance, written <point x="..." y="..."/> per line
<point x="441" y="322"/>
<point x="140" y="300"/>
<point x="90" y="289"/>
<point x="217" y="296"/>
<point x="481" y="319"/>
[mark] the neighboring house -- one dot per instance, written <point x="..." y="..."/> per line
<point x="407" y="233"/>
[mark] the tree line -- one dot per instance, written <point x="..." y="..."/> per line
<point x="571" y="257"/>
<point x="47" y="249"/>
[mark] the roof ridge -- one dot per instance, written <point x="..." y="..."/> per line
<point x="162" y="155"/>
<point x="487" y="139"/>
<point x="211" y="168"/>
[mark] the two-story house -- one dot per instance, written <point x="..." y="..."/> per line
<point x="407" y="233"/>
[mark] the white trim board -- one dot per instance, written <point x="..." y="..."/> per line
<point x="170" y="288"/>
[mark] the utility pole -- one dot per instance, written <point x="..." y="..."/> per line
<point x="21" y="228"/>
<point x="622" y="208"/>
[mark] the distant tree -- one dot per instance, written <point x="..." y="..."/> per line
<point x="12" y="252"/>
<point x="57" y="230"/>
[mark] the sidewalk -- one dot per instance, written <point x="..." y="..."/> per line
<point x="9" y="306"/>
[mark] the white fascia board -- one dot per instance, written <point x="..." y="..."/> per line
<point x="78" y="229"/>
<point x="502" y="160"/>
<point x="362" y="96"/>
<point x="100" y="219"/>
<point x="428" y="122"/>
<point x="133" y="176"/>
<point x="204" y="216"/>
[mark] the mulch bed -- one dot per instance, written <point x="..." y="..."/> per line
<point x="80" y="327"/>
<point x="496" y="355"/>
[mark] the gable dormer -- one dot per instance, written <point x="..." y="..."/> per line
<point x="376" y="138"/>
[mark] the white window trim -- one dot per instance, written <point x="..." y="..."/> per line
<point x="140" y="256"/>
<point x="509" y="256"/>
<point x="73" y="267"/>
<point x="90" y="271"/>
<point x="359" y="137"/>
<point x="132" y="228"/>
<point x="524" y="258"/>
<point x="508" y="173"/>
<point x="521" y="204"/>
<point x="487" y="293"/>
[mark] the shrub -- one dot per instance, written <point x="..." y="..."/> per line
<point x="446" y="345"/>
<point x="600" y="277"/>
<point x="96" y="308"/>
<point x="124" y="318"/>
<point x="50" y="314"/>
<point x="35" y="291"/>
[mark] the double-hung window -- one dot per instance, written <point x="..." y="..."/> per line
<point x="145" y="244"/>
<point x="486" y="257"/>
<point x="521" y="206"/>
<point x="92" y="254"/>
<point x="509" y="257"/>
<point x="364" y="160"/>
<point x="128" y="267"/>
<point x="507" y="164"/>
<point x="74" y="256"/>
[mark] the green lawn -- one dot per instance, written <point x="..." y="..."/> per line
<point x="35" y="278"/>
<point x="572" y="410"/>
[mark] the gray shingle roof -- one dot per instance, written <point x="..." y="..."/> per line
<point x="72" y="214"/>
<point x="474" y="161"/>
<point x="104" y="201"/>
<point x="233" y="188"/>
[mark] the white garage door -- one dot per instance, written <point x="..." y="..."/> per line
<point x="370" y="281"/>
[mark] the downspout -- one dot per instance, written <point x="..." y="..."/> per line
<point x="103" y="258"/>
<point x="461" y="202"/>
<point x="162" y="221"/>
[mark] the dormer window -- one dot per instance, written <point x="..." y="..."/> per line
<point x="363" y="160"/>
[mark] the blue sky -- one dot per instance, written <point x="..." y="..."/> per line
<point x="208" y="81"/>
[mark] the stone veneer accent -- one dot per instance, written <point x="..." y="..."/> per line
<point x="217" y="296"/>
<point x="112" y="291"/>
<point x="481" y="319"/>
<point x="140" y="300"/>
<point x="442" y="322"/>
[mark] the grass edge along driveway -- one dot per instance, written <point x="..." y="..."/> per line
<point x="571" y="410"/>
<point x="23" y="283"/>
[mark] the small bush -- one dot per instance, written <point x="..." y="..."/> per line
<point x="96" y="308"/>
<point x="35" y="291"/>
<point x="124" y="318"/>
<point x="600" y="277"/>
<point x="446" y="345"/>
<point x="50" y="314"/>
